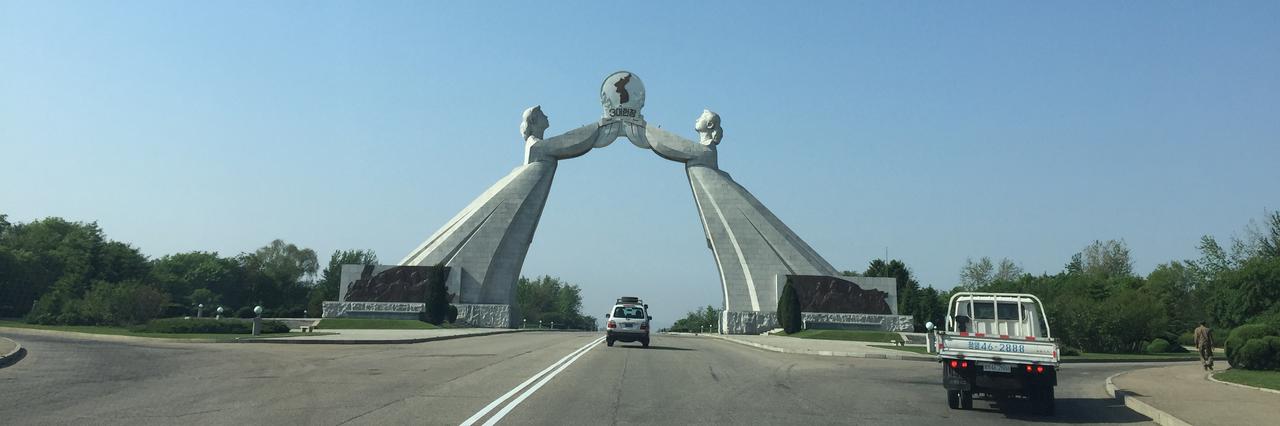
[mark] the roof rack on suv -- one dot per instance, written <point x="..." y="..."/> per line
<point x="628" y="299"/>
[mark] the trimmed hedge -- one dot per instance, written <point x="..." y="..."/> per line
<point x="1241" y="336"/>
<point x="1161" y="346"/>
<point x="1259" y="354"/>
<point x="789" y="316"/>
<point x="209" y="326"/>
<point x="452" y="317"/>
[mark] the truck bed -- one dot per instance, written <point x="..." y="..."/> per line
<point x="978" y="347"/>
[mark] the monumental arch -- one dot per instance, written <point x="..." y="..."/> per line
<point x="485" y="244"/>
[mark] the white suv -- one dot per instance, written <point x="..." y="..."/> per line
<point x="628" y="322"/>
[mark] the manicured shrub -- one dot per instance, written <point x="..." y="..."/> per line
<point x="1256" y="354"/>
<point x="789" y="316"/>
<point x="210" y="326"/>
<point x="1160" y="346"/>
<point x="453" y="314"/>
<point x="437" y="298"/>
<point x="1069" y="351"/>
<point x="1187" y="339"/>
<point x="1241" y="336"/>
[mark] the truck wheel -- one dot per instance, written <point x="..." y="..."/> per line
<point x="953" y="399"/>
<point x="645" y="342"/>
<point x="1043" y="402"/>
<point x="966" y="400"/>
<point x="608" y="342"/>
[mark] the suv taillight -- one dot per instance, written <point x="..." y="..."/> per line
<point x="644" y="326"/>
<point x="613" y="324"/>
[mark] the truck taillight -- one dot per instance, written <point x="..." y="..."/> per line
<point x="959" y="364"/>
<point x="613" y="324"/>
<point x="955" y="363"/>
<point x="644" y="326"/>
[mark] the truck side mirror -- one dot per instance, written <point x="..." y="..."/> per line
<point x="651" y="318"/>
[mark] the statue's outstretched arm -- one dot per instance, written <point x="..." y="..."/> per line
<point x="675" y="148"/>
<point x="566" y="145"/>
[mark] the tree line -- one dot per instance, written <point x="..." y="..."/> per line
<point x="54" y="271"/>
<point x="545" y="300"/>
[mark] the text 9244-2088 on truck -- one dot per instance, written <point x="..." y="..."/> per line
<point x="997" y="345"/>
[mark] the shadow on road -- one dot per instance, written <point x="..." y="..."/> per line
<point x="657" y="348"/>
<point x="1068" y="410"/>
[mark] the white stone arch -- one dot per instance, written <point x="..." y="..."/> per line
<point x="485" y="244"/>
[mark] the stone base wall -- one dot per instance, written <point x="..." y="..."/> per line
<point x="749" y="322"/>
<point x="858" y="321"/>
<point x="485" y="315"/>
<point x="380" y="310"/>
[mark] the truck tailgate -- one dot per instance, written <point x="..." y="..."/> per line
<point x="997" y="349"/>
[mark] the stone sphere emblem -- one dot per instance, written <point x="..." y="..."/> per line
<point x="622" y="95"/>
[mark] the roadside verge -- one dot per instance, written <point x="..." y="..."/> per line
<point x="868" y="355"/>
<point x="324" y="340"/>
<point x="12" y="356"/>
<point x="1128" y="398"/>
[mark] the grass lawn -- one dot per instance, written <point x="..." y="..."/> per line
<point x="852" y="335"/>
<point x="1097" y="357"/>
<point x="124" y="331"/>
<point x="914" y="349"/>
<point x="1262" y="379"/>
<point x="372" y="324"/>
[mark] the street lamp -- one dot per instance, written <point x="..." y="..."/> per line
<point x="539" y="324"/>
<point x="199" y="310"/>
<point x="524" y="323"/>
<point x="219" y="313"/>
<point x="257" y="320"/>
<point x="553" y="325"/>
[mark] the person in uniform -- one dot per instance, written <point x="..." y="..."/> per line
<point x="1204" y="343"/>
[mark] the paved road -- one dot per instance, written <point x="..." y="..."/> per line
<point x="679" y="380"/>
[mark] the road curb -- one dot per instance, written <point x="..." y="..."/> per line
<point x="136" y="339"/>
<point x="15" y="355"/>
<point x="1215" y="380"/>
<point x="771" y="348"/>
<point x="1157" y="415"/>
<point x="374" y="342"/>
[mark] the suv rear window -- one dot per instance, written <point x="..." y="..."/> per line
<point x="629" y="313"/>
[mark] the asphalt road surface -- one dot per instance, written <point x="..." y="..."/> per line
<point x="568" y="378"/>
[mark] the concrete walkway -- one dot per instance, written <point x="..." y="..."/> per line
<point x="1185" y="393"/>
<point x="821" y="347"/>
<point x="7" y="346"/>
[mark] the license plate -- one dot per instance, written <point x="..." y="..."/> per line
<point x="628" y="325"/>
<point x="995" y="368"/>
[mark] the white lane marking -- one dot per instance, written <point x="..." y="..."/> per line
<point x="503" y="412"/>
<point x="485" y="411"/>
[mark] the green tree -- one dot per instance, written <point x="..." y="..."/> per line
<point x="330" y="279"/>
<point x="789" y="316"/>
<point x="437" y="302"/>
<point x="1105" y="260"/>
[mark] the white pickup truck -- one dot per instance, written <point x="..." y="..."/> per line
<point x="997" y="344"/>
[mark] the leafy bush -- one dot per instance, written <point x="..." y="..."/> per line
<point x="1161" y="346"/>
<point x="1069" y="351"/>
<point x="789" y="316"/>
<point x="245" y="312"/>
<point x="452" y="317"/>
<point x="437" y="299"/>
<point x="1187" y="339"/>
<point x="1257" y="354"/>
<point x="210" y="326"/>
<point x="1241" y="336"/>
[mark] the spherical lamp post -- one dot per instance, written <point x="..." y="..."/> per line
<point x="199" y="310"/>
<point x="257" y="320"/>
<point x="219" y="313"/>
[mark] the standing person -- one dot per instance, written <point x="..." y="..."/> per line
<point x="1204" y="343"/>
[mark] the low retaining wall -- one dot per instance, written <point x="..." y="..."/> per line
<point x="486" y="315"/>
<point x="750" y="322"/>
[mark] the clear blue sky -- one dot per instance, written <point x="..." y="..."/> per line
<point x="939" y="131"/>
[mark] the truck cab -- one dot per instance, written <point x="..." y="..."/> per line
<point x="997" y="344"/>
